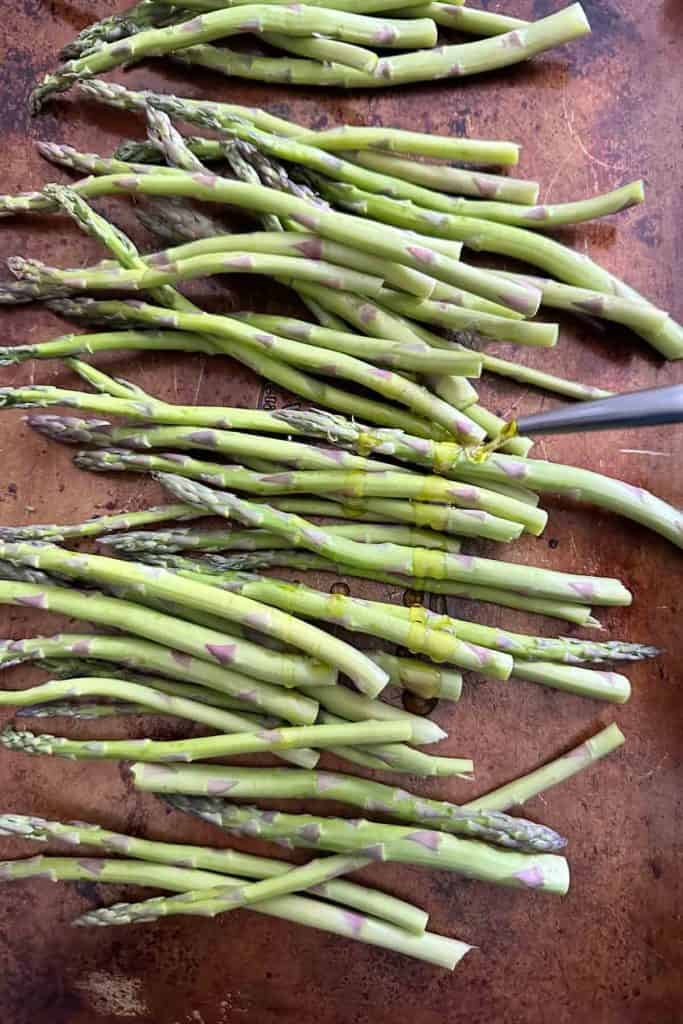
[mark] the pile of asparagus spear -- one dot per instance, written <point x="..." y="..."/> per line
<point x="334" y="42"/>
<point x="381" y="475"/>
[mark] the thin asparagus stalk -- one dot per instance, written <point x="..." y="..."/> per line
<point x="166" y="585"/>
<point x="388" y="908"/>
<point x="373" y="797"/>
<point x="341" y="485"/>
<point x="396" y="140"/>
<point x="405" y="561"/>
<point x="295" y="454"/>
<point x="149" y="697"/>
<point x="55" y="280"/>
<point x="453" y="180"/>
<point x="465" y="19"/>
<point x="305" y="21"/>
<point x="203" y="644"/>
<point x="223" y="575"/>
<point x="210" y="902"/>
<point x="82" y="712"/>
<point x="420" y="66"/>
<point x="543" y="477"/>
<point x="204" y="747"/>
<point x="530" y="246"/>
<point x="101" y="524"/>
<point x="529" y="786"/>
<point x="355" y="6"/>
<point x="547" y="872"/>
<point x="256" y="540"/>
<point x="426" y="946"/>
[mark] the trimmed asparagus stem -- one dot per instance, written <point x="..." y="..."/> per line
<point x="465" y="19"/>
<point x="295" y="454"/>
<point x="205" y="645"/>
<point x="342" y="485"/>
<point x="487" y="236"/>
<point x="256" y="540"/>
<point x="397" y="140"/>
<point x="580" y="614"/>
<point x="370" y="901"/>
<point x="166" y="585"/>
<point x="538" y="781"/>
<point x="373" y="797"/>
<point x="162" y="751"/>
<point x="134" y="693"/>
<point x="452" y="180"/>
<point x="598" y="685"/>
<point x="420" y="677"/>
<point x="86" y="279"/>
<point x="354" y="6"/>
<point x="547" y="872"/>
<point x="349" y="27"/>
<point x="81" y="711"/>
<point x="443" y="62"/>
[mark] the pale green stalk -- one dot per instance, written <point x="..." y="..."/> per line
<point x="100" y="524"/>
<point x="324" y="50"/>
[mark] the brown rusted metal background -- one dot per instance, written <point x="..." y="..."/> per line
<point x="596" y="114"/>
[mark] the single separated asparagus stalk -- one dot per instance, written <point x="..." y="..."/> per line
<point x="100" y="524"/>
<point x="405" y="561"/>
<point x="368" y="901"/>
<point x="169" y="541"/>
<point x="346" y="26"/>
<point x="372" y="797"/>
<point x="166" y="585"/>
<point x="432" y="948"/>
<point x="162" y="751"/>
<point x="424" y="847"/>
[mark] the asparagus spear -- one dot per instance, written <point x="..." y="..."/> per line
<point x="372" y="797"/>
<point x="420" y="677"/>
<point x="427" y="848"/>
<point x="162" y="751"/>
<point x="343" y="486"/>
<point x="382" y="906"/>
<point x="163" y="584"/>
<point x="101" y="524"/>
<point x="81" y="711"/>
<point x="446" y="61"/>
<point x="250" y="540"/>
<point x="432" y="948"/>
<point x="406" y="561"/>
<point x="528" y="786"/>
<point x="349" y="27"/>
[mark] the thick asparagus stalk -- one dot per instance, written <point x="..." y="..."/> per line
<point x="405" y="561"/>
<point x="420" y="677"/>
<point x="369" y="901"/>
<point x="427" y="848"/>
<point x="162" y="751"/>
<point x="343" y="486"/>
<point x="432" y="948"/>
<point x="373" y="797"/>
<point x="528" y="786"/>
<point x="221" y="572"/>
<point x="166" y="585"/>
<point x="305" y="21"/>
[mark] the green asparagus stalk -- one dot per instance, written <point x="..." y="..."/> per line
<point x="147" y="696"/>
<point x="466" y="19"/>
<point x="387" y="908"/>
<point x="344" y="486"/>
<point x="166" y="585"/>
<point x="426" y="848"/>
<point x="118" y="26"/>
<point x="443" y="62"/>
<point x="223" y="574"/>
<point x="305" y="21"/>
<point x="170" y="541"/>
<point x="529" y="786"/>
<point x="204" y="747"/>
<point x="452" y="180"/>
<point x="101" y="524"/>
<point x="354" y="6"/>
<point x="324" y="50"/>
<point x="372" y="797"/>
<point x="396" y="140"/>
<point x="239" y="446"/>
<point x="405" y="561"/>
<point x="81" y="711"/>
<point x="66" y="282"/>
<point x="420" y="677"/>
